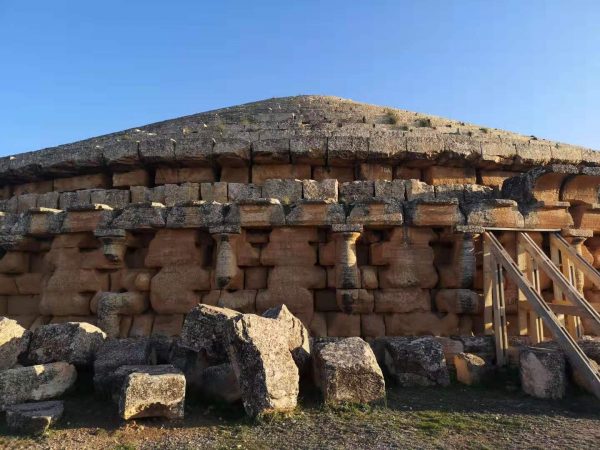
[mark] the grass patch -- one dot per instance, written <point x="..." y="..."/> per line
<point x="440" y="422"/>
<point x="423" y="123"/>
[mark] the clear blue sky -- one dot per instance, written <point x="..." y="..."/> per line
<point x="74" y="69"/>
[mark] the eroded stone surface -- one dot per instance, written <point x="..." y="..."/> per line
<point x="14" y="341"/>
<point x="33" y="418"/>
<point x="263" y="363"/>
<point x="543" y="372"/>
<point x="346" y="371"/>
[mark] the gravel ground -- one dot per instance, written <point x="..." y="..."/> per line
<point x="455" y="417"/>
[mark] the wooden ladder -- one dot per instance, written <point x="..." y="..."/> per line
<point x="497" y="261"/>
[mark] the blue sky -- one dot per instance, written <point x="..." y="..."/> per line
<point x="72" y="70"/>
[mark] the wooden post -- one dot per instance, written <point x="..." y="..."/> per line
<point x="487" y="288"/>
<point x="499" y="313"/>
<point x="536" y="327"/>
<point x="522" y="300"/>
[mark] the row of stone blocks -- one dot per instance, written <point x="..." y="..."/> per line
<point x="229" y="356"/>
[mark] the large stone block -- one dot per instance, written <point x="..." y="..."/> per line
<point x="420" y="323"/>
<point x="416" y="361"/>
<point x="14" y="341"/>
<point x="325" y="190"/>
<point x="73" y="342"/>
<point x="543" y="372"/>
<point x="346" y="371"/>
<point x="33" y="383"/>
<point x="33" y="418"/>
<point x="470" y="368"/>
<point x="402" y="300"/>
<point x="156" y="391"/>
<point x="203" y="331"/>
<point x="298" y="336"/>
<point x="286" y="191"/>
<point x="175" y="289"/>
<point x="263" y="363"/>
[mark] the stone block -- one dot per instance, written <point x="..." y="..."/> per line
<point x="261" y="173"/>
<point x="239" y="191"/>
<point x="459" y="301"/>
<point x="436" y="175"/>
<point x="342" y="325"/>
<point x="418" y="190"/>
<point x="357" y="191"/>
<point x="470" y="368"/>
<point x="390" y="190"/>
<point x="286" y="191"/>
<point x="271" y="151"/>
<point x="73" y="342"/>
<point x="203" y="331"/>
<point x="543" y="372"/>
<point x="372" y="325"/>
<point x="214" y="192"/>
<point x="294" y="329"/>
<point x="138" y="177"/>
<point x="33" y="418"/>
<point x="34" y="383"/>
<point x="265" y="369"/>
<point x="157" y="391"/>
<point x="241" y="300"/>
<point x="14" y="342"/>
<point x="375" y="171"/>
<point x="341" y="174"/>
<point x="235" y="175"/>
<point x="416" y="361"/>
<point x="346" y="371"/>
<point x="92" y="181"/>
<point x="325" y="190"/>
<point x="354" y="301"/>
<point x="187" y="192"/>
<point x="115" y="198"/>
<point x="308" y="149"/>
<point x="255" y="278"/>
<point x="420" y="323"/>
<point x="402" y="300"/>
<point x="219" y="383"/>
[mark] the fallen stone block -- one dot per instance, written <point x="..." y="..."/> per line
<point x="470" y="368"/>
<point x="14" y="340"/>
<point x="73" y="342"/>
<point x="203" y="331"/>
<point x="298" y="335"/>
<point x="263" y="363"/>
<point x="40" y="382"/>
<point x="543" y="372"/>
<point x="219" y="383"/>
<point x="33" y="418"/>
<point x="346" y="371"/>
<point x="115" y="353"/>
<point x="416" y="361"/>
<point x="154" y="391"/>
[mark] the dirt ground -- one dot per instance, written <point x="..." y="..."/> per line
<point x="455" y="417"/>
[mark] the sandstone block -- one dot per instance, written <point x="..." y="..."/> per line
<point x="459" y="301"/>
<point x="265" y="368"/>
<point x="354" y="301"/>
<point x="372" y="325"/>
<point x="203" y="331"/>
<point x="175" y="289"/>
<point x="402" y="300"/>
<point x="139" y="177"/>
<point x="342" y="325"/>
<point x="73" y="342"/>
<point x="177" y="194"/>
<point x="235" y="174"/>
<point x="157" y="391"/>
<point x="470" y="368"/>
<point x="416" y="361"/>
<point x="421" y="323"/>
<point x="375" y="171"/>
<point x="261" y="173"/>
<point x="93" y="181"/>
<point x="543" y="372"/>
<point x="309" y="149"/>
<point x="341" y="174"/>
<point x="407" y="173"/>
<point x="33" y="383"/>
<point x="271" y="151"/>
<point x="346" y="371"/>
<point x="436" y="175"/>
<point x="242" y="300"/>
<point x="390" y="190"/>
<point x="33" y="418"/>
<point x="14" y="341"/>
<point x="418" y="190"/>
<point x="255" y="277"/>
<point x="214" y="192"/>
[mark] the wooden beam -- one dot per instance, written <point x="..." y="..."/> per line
<point x="577" y="358"/>
<point x="577" y="260"/>
<point x="569" y="291"/>
<point x="499" y="316"/>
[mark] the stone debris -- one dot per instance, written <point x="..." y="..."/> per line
<point x="263" y="363"/>
<point x="543" y="372"/>
<point x="14" y="341"/>
<point x="153" y="391"/>
<point x="33" y="418"/>
<point x="416" y="361"/>
<point x="346" y="371"/>
<point x="33" y="383"/>
<point x="73" y="342"/>
<point x="470" y="369"/>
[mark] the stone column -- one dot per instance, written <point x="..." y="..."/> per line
<point x="226" y="266"/>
